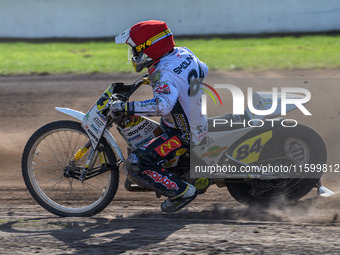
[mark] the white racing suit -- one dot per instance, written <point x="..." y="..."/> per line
<point x="176" y="81"/>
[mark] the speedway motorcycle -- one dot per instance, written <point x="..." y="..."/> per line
<point x="71" y="168"/>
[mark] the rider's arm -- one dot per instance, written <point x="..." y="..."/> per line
<point x="165" y="97"/>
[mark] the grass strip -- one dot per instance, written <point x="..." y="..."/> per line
<point x="250" y="54"/>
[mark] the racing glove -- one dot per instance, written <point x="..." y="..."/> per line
<point x="120" y="106"/>
<point x="117" y="106"/>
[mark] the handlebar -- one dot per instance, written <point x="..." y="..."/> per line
<point x="137" y="83"/>
<point x="123" y="92"/>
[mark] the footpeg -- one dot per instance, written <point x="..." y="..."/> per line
<point x="133" y="187"/>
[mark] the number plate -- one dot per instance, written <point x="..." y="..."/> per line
<point x="94" y="123"/>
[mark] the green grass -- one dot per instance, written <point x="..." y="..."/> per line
<point x="307" y="52"/>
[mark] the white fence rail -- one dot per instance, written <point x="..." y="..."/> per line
<point x="106" y="18"/>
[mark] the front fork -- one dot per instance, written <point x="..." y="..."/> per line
<point x="80" y="154"/>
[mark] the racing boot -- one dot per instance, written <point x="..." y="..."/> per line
<point x="176" y="203"/>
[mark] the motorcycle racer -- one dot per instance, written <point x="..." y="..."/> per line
<point x="175" y="76"/>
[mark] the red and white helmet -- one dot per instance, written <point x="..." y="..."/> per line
<point x="149" y="40"/>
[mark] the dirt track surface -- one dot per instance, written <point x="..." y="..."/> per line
<point x="133" y="224"/>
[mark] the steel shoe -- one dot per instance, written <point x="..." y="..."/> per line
<point x="176" y="203"/>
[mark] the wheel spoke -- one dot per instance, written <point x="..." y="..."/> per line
<point x="54" y="176"/>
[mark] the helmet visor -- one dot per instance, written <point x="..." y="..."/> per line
<point x="130" y="55"/>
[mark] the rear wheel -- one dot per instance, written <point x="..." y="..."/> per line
<point x="53" y="178"/>
<point x="299" y="145"/>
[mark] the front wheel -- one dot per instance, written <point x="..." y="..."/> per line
<point x="301" y="144"/>
<point x="53" y="177"/>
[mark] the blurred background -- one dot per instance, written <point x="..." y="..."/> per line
<point x="107" y="18"/>
<point x="76" y="36"/>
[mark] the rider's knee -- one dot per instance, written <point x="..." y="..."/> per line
<point x="135" y="163"/>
